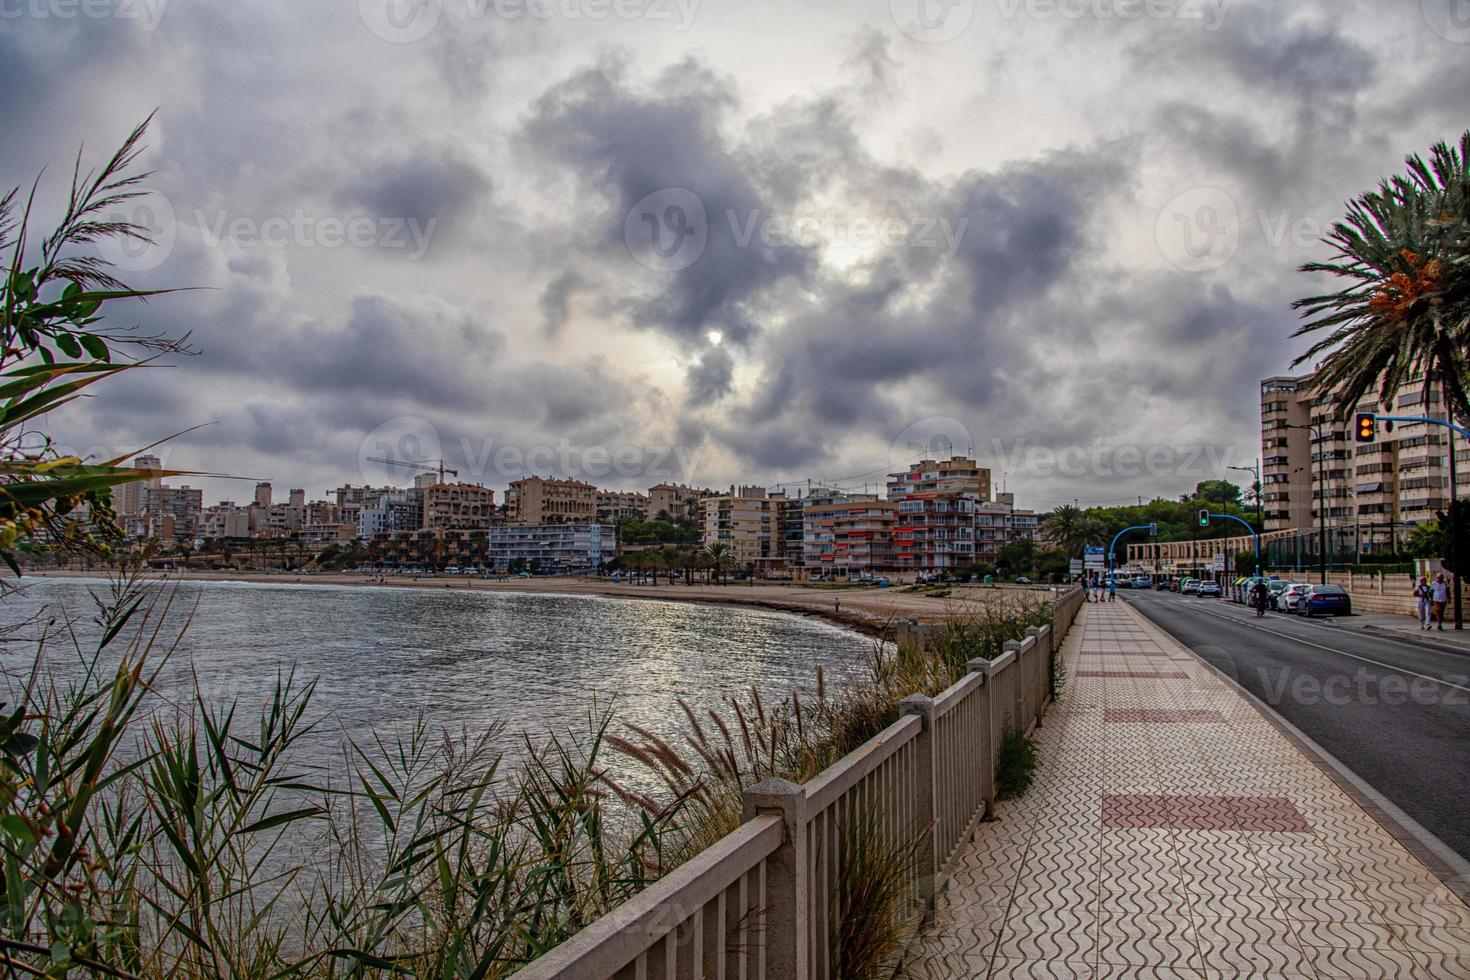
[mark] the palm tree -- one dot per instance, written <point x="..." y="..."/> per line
<point x="720" y="560"/>
<point x="1405" y="250"/>
<point x="1060" y="526"/>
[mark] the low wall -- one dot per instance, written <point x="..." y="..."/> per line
<point x="760" y="903"/>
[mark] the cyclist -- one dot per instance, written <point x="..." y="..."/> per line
<point x="1260" y="597"/>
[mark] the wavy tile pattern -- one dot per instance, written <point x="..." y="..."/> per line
<point x="1173" y="832"/>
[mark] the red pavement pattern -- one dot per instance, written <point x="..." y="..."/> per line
<point x="1182" y="849"/>
<point x="1160" y="716"/>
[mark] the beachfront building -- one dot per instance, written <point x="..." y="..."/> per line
<point x="226" y="520"/>
<point x="946" y="521"/>
<point x="615" y="506"/>
<point x="847" y="536"/>
<point x="744" y="521"/>
<point x="551" y="548"/>
<point x="960" y="475"/>
<point x="676" y="502"/>
<point x="389" y="512"/>
<point x="537" y="500"/>
<point x="458" y="506"/>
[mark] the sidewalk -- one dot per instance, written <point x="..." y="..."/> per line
<point x="1173" y="832"/>
<point x="1408" y="627"/>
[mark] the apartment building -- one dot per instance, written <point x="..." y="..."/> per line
<point x="960" y="475"/>
<point x="614" y="507"/>
<point x="183" y="506"/>
<point x="848" y="535"/>
<point x="1311" y="462"/>
<point x="387" y="512"/>
<point x="679" y="502"/>
<point x="562" y="548"/>
<point x="130" y="495"/>
<point x="744" y="521"/>
<point x="946" y="520"/>
<point x="226" y="520"/>
<point x="536" y="500"/>
<point x="459" y="506"/>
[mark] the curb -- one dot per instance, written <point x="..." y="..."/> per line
<point x="1408" y="637"/>
<point x="1451" y="870"/>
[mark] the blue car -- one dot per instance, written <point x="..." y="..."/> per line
<point x="1328" y="599"/>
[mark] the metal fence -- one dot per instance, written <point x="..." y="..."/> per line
<point x="765" y="902"/>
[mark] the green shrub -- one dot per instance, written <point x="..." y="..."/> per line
<point x="1015" y="768"/>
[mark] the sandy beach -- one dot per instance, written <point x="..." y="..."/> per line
<point x="865" y="609"/>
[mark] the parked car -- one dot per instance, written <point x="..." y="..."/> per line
<point x="1143" y="582"/>
<point x="1189" y="586"/>
<point x="1277" y="586"/>
<point x="1208" y="590"/>
<point x="1290" y="596"/>
<point x="1020" y="580"/>
<point x="1163" y="585"/>
<point x="1331" y="599"/>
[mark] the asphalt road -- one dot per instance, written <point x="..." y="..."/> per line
<point x="1395" y="712"/>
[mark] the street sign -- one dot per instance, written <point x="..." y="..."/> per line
<point x="1219" y="563"/>
<point x="1075" y="567"/>
<point x="1093" y="556"/>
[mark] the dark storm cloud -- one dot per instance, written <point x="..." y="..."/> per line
<point x="627" y="143"/>
<point x="1276" y="48"/>
<point x="708" y="379"/>
<point x="556" y="299"/>
<point x="437" y="187"/>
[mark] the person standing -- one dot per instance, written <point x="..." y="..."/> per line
<point x="1439" y="594"/>
<point x="1112" y="588"/>
<point x="1421" y="594"/>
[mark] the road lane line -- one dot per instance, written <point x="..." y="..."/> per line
<point x="1343" y="653"/>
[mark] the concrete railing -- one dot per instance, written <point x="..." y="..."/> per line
<point x="765" y="901"/>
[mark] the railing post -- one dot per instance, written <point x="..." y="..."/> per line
<point x="787" y="941"/>
<point x="1042" y="651"/>
<point x="926" y="792"/>
<point x="987" y="778"/>
<point x="1015" y="688"/>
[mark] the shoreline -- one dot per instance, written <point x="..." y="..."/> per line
<point x="866" y="610"/>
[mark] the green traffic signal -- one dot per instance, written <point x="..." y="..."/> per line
<point x="1204" y="518"/>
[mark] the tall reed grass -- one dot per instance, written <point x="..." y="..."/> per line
<point x="147" y="838"/>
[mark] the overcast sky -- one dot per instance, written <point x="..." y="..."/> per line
<point x="719" y="241"/>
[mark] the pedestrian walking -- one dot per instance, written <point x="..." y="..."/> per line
<point x="837" y="604"/>
<point x="1421" y="594"/>
<point x="1112" y="588"/>
<point x="1439" y="594"/>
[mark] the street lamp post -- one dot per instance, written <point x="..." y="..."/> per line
<point x="1256" y="470"/>
<point x="1321" y="453"/>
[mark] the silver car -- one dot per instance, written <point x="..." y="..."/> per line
<point x="1290" y="596"/>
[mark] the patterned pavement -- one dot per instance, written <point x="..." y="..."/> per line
<point x="1173" y="832"/>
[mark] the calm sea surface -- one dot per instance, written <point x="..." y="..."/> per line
<point x="467" y="660"/>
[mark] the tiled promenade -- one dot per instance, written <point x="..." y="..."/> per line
<point x="1173" y="832"/>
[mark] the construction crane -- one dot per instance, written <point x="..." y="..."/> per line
<point x="421" y="464"/>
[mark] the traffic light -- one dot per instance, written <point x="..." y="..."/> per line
<point x="1204" y="518"/>
<point x="1366" y="427"/>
